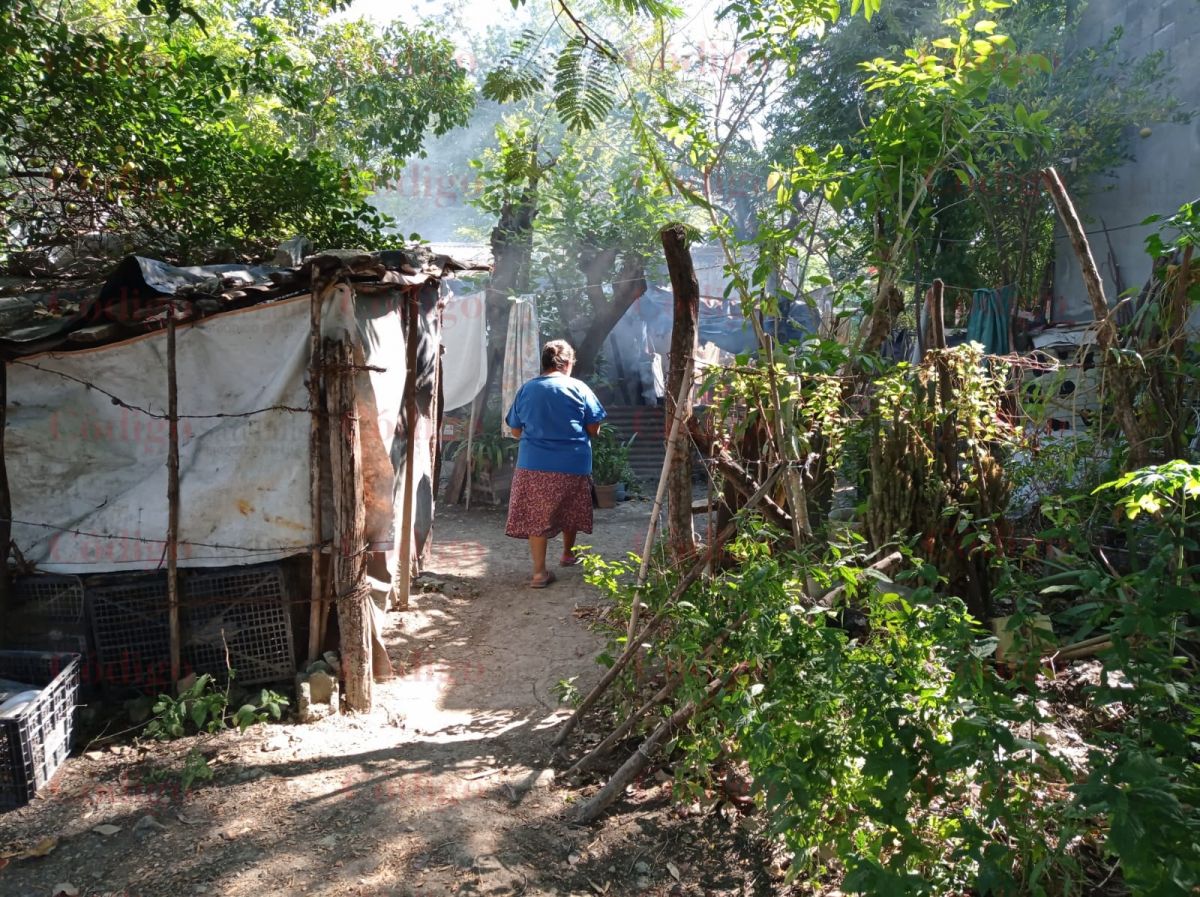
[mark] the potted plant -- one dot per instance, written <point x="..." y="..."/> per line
<point x="610" y="464"/>
<point x="492" y="458"/>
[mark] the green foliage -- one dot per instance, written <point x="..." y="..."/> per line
<point x="195" y="769"/>
<point x="610" y="457"/>
<point x="183" y="139"/>
<point x="567" y="691"/>
<point x="490" y="451"/>
<point x="203" y="707"/>
<point x="584" y="86"/>
<point x="887" y="755"/>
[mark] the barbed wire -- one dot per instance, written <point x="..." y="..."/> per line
<point x="122" y="403"/>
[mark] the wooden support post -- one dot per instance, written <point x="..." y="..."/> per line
<point x="173" y="502"/>
<point x="318" y="609"/>
<point x="664" y="480"/>
<point x="680" y="534"/>
<point x="470" y="448"/>
<point x="402" y="584"/>
<point x="350" y="588"/>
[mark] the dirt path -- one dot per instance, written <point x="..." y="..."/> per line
<point x="447" y="787"/>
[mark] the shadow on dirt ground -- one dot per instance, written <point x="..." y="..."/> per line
<point x="447" y="787"/>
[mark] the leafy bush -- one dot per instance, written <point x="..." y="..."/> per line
<point x="203" y="707"/>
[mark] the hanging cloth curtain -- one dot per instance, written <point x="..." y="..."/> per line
<point x="991" y="318"/>
<point x="522" y="354"/>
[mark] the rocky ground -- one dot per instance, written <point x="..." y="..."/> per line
<point x="448" y="787"/>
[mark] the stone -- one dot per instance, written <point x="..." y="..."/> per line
<point x="321" y="686"/>
<point x="148" y="825"/>
<point x="317" y="666"/>
<point x="333" y="662"/>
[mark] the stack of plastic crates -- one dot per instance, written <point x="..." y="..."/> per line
<point x="239" y="615"/>
<point x="34" y="742"/>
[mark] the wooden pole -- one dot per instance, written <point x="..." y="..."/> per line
<point x="470" y="445"/>
<point x="5" y="499"/>
<point x="633" y="647"/>
<point x="1106" y="329"/>
<point x="173" y="501"/>
<point x="317" y="609"/>
<point x="686" y="289"/>
<point x="351" y="590"/>
<point x="641" y="758"/>
<point x="660" y="697"/>
<point x="655" y="512"/>
<point x="403" y="582"/>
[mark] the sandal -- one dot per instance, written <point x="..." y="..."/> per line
<point x="568" y="560"/>
<point x="542" y="583"/>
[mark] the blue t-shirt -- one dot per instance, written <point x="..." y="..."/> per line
<point x="553" y="413"/>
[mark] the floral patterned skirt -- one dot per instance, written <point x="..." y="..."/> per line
<point x="543" y="503"/>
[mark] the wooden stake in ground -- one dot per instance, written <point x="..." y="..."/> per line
<point x="402" y="585"/>
<point x="656" y="511"/>
<point x="173" y="502"/>
<point x="634" y="646"/>
<point x="681" y="537"/>
<point x="641" y="758"/>
<point x="660" y="697"/>
<point x="1106" y="329"/>
<point x="349" y="580"/>
<point x="318" y="610"/>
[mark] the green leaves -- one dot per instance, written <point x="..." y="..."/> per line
<point x="232" y="137"/>
<point x="584" y="85"/>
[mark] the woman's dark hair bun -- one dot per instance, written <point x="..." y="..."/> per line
<point x="556" y="355"/>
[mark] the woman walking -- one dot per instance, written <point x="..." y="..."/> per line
<point x="555" y="416"/>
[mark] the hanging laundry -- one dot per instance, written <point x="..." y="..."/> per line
<point x="522" y="351"/>
<point x="991" y="318"/>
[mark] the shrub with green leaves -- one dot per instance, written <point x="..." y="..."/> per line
<point x="203" y="707"/>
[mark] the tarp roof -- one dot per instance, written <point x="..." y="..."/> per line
<point x="140" y="292"/>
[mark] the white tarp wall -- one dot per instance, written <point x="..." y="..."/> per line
<point x="88" y="476"/>
<point x="464" y="336"/>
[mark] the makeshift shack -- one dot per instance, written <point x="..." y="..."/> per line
<point x="194" y="453"/>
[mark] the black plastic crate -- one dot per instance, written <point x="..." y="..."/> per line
<point x="35" y="742"/>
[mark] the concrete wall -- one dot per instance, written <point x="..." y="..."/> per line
<point x="1166" y="170"/>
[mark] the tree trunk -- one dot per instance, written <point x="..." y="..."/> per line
<point x="628" y="286"/>
<point x="889" y="302"/>
<point x="350" y="588"/>
<point x="512" y="248"/>
<point x="680" y="535"/>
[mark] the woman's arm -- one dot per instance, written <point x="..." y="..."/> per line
<point x="516" y="432"/>
<point x="593" y="429"/>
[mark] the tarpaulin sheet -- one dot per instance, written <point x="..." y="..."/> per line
<point x="464" y="336"/>
<point x="88" y="473"/>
